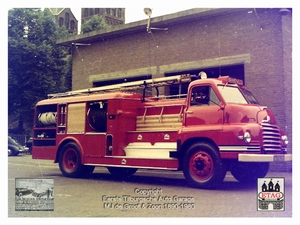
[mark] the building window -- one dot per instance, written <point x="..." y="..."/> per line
<point x="122" y="80"/>
<point x="120" y="13"/>
<point x="108" y="11"/>
<point x="92" y="12"/>
<point x="72" y="25"/>
<point x="235" y="71"/>
<point x="67" y="20"/>
<point x="114" y="12"/>
<point x="61" y="21"/>
<point x="86" y="13"/>
<point x="97" y="11"/>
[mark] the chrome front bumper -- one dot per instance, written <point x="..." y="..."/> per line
<point x="265" y="158"/>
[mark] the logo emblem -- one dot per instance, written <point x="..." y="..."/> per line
<point x="270" y="194"/>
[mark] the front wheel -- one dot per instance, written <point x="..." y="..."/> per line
<point x="203" y="167"/>
<point x="70" y="162"/>
<point x="249" y="171"/>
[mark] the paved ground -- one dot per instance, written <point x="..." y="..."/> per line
<point x="91" y="197"/>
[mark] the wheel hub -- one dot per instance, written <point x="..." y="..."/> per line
<point x="70" y="160"/>
<point x="201" y="165"/>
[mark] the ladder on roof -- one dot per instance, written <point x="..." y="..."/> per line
<point x="156" y="82"/>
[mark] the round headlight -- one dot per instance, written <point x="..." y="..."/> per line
<point x="247" y="137"/>
<point x="285" y="139"/>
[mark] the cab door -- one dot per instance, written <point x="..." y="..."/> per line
<point x="203" y="107"/>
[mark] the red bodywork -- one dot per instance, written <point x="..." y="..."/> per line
<point x="154" y="133"/>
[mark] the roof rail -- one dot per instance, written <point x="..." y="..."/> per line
<point x="155" y="82"/>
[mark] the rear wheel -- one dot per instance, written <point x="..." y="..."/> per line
<point x="70" y="162"/>
<point x="203" y="167"/>
<point x="249" y="171"/>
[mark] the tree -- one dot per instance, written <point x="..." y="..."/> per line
<point x="36" y="65"/>
<point x="95" y="23"/>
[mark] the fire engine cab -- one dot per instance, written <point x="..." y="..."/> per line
<point x="218" y="126"/>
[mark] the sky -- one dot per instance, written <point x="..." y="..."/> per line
<point x="133" y="14"/>
<point x="134" y="9"/>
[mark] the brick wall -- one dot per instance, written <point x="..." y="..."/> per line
<point x="260" y="39"/>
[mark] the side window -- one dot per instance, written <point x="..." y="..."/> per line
<point x="204" y="96"/>
<point x="213" y="98"/>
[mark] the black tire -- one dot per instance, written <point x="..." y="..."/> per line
<point x="203" y="167"/>
<point x="70" y="162"/>
<point x="248" y="172"/>
<point x="121" y="172"/>
<point x="12" y="152"/>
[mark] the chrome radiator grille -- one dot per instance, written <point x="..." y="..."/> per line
<point x="271" y="137"/>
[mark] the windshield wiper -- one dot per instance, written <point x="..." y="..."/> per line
<point x="224" y="86"/>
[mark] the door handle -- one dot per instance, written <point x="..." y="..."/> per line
<point x="189" y="112"/>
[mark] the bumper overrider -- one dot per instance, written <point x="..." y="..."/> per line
<point x="264" y="158"/>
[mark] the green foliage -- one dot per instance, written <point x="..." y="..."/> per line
<point x="95" y="23"/>
<point x="36" y="65"/>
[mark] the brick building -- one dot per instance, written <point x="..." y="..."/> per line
<point x="251" y="44"/>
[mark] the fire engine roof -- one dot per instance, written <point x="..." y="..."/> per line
<point x="220" y="81"/>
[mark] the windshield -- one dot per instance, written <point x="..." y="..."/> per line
<point x="249" y="96"/>
<point x="237" y="95"/>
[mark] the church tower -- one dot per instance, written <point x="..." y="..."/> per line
<point x="65" y="17"/>
<point x="112" y="16"/>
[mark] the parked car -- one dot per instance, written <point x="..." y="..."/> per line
<point x="28" y="144"/>
<point x="23" y="191"/>
<point x="14" y="148"/>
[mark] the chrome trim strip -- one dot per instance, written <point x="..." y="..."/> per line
<point x="240" y="148"/>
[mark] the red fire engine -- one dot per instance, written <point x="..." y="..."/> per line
<point x="218" y="126"/>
